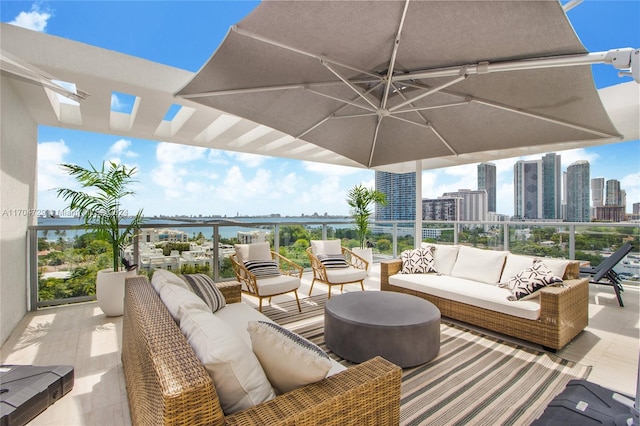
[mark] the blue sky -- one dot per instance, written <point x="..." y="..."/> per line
<point x="176" y="179"/>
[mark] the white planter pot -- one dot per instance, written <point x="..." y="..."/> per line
<point x="110" y="291"/>
<point x="366" y="254"/>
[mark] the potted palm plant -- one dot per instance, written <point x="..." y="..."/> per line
<point x="100" y="208"/>
<point x="360" y="200"/>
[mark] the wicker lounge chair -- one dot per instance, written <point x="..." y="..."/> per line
<point x="267" y="281"/>
<point x="352" y="271"/>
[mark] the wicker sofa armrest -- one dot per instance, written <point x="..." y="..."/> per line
<point x="388" y="268"/>
<point x="567" y="301"/>
<point x="231" y="291"/>
<point x="365" y="394"/>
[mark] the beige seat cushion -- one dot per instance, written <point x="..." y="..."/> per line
<point x="346" y="275"/>
<point x="277" y="285"/>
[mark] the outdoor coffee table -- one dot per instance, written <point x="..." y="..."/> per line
<point x="401" y="328"/>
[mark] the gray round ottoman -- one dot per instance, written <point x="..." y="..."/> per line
<point x="401" y="328"/>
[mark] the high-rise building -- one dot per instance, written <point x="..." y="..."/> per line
<point x="636" y="208"/>
<point x="400" y="190"/>
<point x="578" y="192"/>
<point x="613" y="193"/>
<point x="551" y="187"/>
<point x="487" y="181"/>
<point x="441" y="208"/>
<point x="473" y="206"/>
<point x="527" y="189"/>
<point x="597" y="194"/>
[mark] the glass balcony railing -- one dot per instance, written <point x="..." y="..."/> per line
<point x="65" y="259"/>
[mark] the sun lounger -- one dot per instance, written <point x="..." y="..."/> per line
<point x="604" y="273"/>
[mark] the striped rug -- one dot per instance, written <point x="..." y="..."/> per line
<point x="474" y="380"/>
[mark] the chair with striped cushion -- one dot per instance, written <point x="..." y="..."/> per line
<point x="333" y="265"/>
<point x="264" y="273"/>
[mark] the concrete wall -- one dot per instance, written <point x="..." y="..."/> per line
<point x="18" y="163"/>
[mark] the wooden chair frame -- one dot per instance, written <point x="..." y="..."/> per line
<point x="249" y="281"/>
<point x="320" y="271"/>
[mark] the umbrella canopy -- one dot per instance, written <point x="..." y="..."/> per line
<point x="386" y="82"/>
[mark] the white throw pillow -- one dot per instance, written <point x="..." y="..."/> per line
<point x="179" y="301"/>
<point x="256" y="251"/>
<point x="444" y="257"/>
<point x="525" y="284"/>
<point x="289" y="360"/>
<point x="418" y="261"/>
<point x="326" y="246"/>
<point x="479" y="265"/>
<point x="515" y="264"/>
<point x="557" y="266"/>
<point x="237" y="376"/>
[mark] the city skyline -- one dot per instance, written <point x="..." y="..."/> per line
<point x="189" y="180"/>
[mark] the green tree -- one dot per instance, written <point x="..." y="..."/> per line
<point x="101" y="206"/>
<point x="360" y="199"/>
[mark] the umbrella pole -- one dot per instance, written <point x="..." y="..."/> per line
<point x="418" y="225"/>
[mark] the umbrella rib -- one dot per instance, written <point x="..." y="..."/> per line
<point x="273" y="88"/>
<point x="299" y="51"/>
<point x="545" y="118"/>
<point x="429" y="125"/>
<point x="418" y="109"/>
<point x="392" y="61"/>
<point x="429" y="92"/>
<point x="341" y="100"/>
<point x="348" y="83"/>
<point x="332" y="115"/>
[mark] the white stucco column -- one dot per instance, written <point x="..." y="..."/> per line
<point x="18" y="167"/>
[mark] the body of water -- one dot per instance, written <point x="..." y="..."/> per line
<point x="229" y="227"/>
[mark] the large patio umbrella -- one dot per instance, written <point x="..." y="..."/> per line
<point x="385" y="82"/>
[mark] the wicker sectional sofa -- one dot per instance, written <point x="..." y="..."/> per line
<point x="552" y="319"/>
<point x="167" y="384"/>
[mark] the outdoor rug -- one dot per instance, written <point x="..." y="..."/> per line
<point x="474" y="380"/>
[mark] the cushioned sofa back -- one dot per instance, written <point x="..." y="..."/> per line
<point x="479" y="265"/>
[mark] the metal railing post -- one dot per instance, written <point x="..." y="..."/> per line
<point x="216" y="253"/>
<point x="395" y="239"/>
<point x="276" y="238"/>
<point x="505" y="237"/>
<point x="572" y="242"/>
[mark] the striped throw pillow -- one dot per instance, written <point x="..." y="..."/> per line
<point x="333" y="260"/>
<point x="262" y="268"/>
<point x="204" y="287"/>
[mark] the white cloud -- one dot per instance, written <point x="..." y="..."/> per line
<point x="249" y="160"/>
<point x="174" y="153"/>
<point x="116" y="103"/>
<point x="120" y="148"/>
<point x="216" y="156"/>
<point x="631" y="185"/>
<point x="329" y="169"/>
<point x="50" y="156"/>
<point x="35" y="19"/>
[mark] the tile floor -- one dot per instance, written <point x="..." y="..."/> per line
<point x="83" y="337"/>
